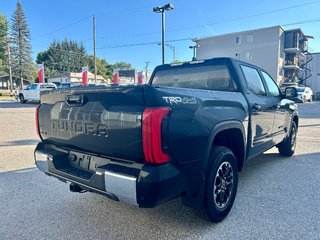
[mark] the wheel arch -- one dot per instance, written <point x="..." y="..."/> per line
<point x="230" y="134"/>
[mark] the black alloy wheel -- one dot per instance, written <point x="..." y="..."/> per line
<point x="221" y="184"/>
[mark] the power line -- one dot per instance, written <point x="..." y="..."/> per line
<point x="102" y="13"/>
<point x="64" y="27"/>
<point x="303" y="22"/>
<point x="142" y="44"/>
<point x="172" y="40"/>
<point x="178" y="29"/>
<point x="249" y="16"/>
<point x="219" y="22"/>
<point x="135" y="8"/>
<point x="176" y="40"/>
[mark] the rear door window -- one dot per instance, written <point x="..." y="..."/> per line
<point x="253" y="79"/>
<point x="49" y="86"/>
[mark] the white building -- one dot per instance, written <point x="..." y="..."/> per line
<point x="314" y="80"/>
<point x="73" y="77"/>
<point x="280" y="52"/>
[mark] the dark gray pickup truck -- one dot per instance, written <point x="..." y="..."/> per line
<point x="185" y="134"/>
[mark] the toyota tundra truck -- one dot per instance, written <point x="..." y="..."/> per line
<point x="187" y="133"/>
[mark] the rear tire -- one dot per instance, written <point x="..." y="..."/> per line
<point x="21" y="99"/>
<point x="288" y="146"/>
<point x="221" y="184"/>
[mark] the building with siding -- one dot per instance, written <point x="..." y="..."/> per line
<point x="314" y="80"/>
<point x="69" y="77"/>
<point x="282" y="53"/>
<point x="16" y="82"/>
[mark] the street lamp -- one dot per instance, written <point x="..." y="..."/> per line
<point x="194" y="51"/>
<point x="173" y="48"/>
<point x="162" y="10"/>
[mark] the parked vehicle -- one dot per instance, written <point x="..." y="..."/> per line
<point x="187" y="133"/>
<point x="32" y="91"/>
<point x="304" y="94"/>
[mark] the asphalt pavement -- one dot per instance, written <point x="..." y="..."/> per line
<point x="278" y="198"/>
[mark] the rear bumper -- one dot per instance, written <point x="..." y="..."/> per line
<point x="137" y="184"/>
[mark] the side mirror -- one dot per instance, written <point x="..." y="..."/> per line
<point x="291" y="92"/>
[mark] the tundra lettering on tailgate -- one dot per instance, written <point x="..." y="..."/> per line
<point x="77" y="127"/>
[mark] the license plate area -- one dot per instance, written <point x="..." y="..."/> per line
<point x="82" y="161"/>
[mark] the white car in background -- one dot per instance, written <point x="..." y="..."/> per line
<point x="304" y="94"/>
<point x="32" y="91"/>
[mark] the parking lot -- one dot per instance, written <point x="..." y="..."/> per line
<point x="278" y="198"/>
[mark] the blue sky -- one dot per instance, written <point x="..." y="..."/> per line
<point x="129" y="30"/>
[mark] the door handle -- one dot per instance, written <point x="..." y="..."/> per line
<point x="256" y="107"/>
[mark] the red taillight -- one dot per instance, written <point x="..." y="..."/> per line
<point x="151" y="135"/>
<point x="37" y="121"/>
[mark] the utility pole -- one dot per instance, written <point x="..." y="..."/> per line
<point x="146" y="67"/>
<point x="94" y="49"/>
<point x="9" y="65"/>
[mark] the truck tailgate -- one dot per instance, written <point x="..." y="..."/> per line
<point x="103" y="121"/>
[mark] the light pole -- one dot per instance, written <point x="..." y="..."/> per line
<point x="162" y="10"/>
<point x="194" y="51"/>
<point x="173" y="48"/>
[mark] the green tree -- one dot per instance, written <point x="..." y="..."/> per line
<point x="122" y="66"/>
<point x="64" y="56"/>
<point x="20" y="45"/>
<point x="109" y="71"/>
<point x="102" y="65"/>
<point x="70" y="56"/>
<point x="3" y="42"/>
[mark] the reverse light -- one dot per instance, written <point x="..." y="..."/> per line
<point x="151" y="135"/>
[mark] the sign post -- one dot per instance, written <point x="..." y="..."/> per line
<point x="116" y="77"/>
<point x="140" y="78"/>
<point x="41" y="73"/>
<point x="84" y="76"/>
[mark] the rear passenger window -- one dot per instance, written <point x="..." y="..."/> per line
<point x="254" y="81"/>
<point x="212" y="77"/>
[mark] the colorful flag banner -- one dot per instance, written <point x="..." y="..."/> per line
<point x="115" y="77"/>
<point x="140" y="78"/>
<point x="84" y="76"/>
<point x="41" y="73"/>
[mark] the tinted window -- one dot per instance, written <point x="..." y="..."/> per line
<point x="300" y="89"/>
<point x="213" y="77"/>
<point x="33" y="86"/>
<point x="272" y="86"/>
<point x="49" y="86"/>
<point x="253" y="80"/>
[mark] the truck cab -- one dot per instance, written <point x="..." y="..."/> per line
<point x="32" y="91"/>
